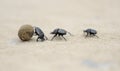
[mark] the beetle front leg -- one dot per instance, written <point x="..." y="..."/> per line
<point x="37" y="39"/>
<point x="53" y="37"/>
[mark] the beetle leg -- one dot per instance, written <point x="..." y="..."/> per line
<point x="96" y="36"/>
<point x="86" y="35"/>
<point x="64" y="38"/>
<point x="53" y="37"/>
<point x="37" y="39"/>
<point x="46" y="37"/>
<point x="42" y="39"/>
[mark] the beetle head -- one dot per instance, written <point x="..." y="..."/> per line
<point x="52" y="33"/>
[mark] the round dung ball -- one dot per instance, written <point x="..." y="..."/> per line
<point x="25" y="32"/>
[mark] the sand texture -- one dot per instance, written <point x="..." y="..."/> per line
<point x="75" y="54"/>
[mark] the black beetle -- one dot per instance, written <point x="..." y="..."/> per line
<point x="91" y="32"/>
<point x="59" y="32"/>
<point x="40" y="34"/>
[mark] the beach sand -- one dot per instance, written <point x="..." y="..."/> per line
<point x="77" y="53"/>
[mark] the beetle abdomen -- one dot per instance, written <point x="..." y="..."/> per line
<point x="93" y="31"/>
<point x="62" y="31"/>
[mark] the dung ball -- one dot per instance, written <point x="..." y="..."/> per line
<point x="25" y="32"/>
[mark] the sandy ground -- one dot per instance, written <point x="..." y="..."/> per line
<point x="75" y="54"/>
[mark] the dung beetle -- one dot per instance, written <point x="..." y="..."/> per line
<point x="90" y="32"/>
<point x="40" y="34"/>
<point x="59" y="32"/>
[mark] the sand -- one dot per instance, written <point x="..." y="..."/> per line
<point x="75" y="54"/>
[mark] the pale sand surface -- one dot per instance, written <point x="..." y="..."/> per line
<point x="76" y="54"/>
